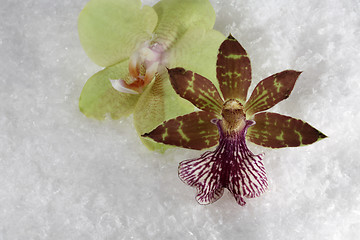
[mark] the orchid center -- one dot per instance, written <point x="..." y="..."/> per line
<point x="233" y="116"/>
<point x="144" y="64"/>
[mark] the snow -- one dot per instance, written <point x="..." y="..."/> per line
<point x="64" y="176"/>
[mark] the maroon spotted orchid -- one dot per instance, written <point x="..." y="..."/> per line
<point x="226" y="121"/>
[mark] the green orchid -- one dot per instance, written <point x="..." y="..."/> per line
<point x="136" y="44"/>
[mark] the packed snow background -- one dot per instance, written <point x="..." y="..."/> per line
<point x="64" y="176"/>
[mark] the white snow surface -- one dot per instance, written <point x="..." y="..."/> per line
<point x="65" y="176"/>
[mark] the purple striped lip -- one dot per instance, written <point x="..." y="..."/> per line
<point x="232" y="165"/>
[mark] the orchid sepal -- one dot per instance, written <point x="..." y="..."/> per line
<point x="193" y="131"/>
<point x="110" y="30"/>
<point x="176" y="17"/>
<point x="233" y="70"/>
<point x="278" y="131"/>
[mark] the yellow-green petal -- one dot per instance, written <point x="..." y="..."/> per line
<point x="158" y="103"/>
<point x="110" y="30"/>
<point x="197" y="51"/>
<point x="176" y="17"/>
<point x="98" y="97"/>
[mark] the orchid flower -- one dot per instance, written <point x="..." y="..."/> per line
<point x="227" y="120"/>
<point x="135" y="44"/>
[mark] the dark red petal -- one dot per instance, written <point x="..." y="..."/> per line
<point x="233" y="70"/>
<point x="270" y="91"/>
<point x="194" y="131"/>
<point x="276" y="131"/>
<point x="197" y="89"/>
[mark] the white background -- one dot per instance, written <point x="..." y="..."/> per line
<point x="64" y="176"/>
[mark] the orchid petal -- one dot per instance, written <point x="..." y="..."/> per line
<point x="233" y="70"/>
<point x="193" y="130"/>
<point x="176" y="17"/>
<point x="98" y="97"/>
<point x="196" y="89"/>
<point x="270" y="91"/>
<point x="152" y="109"/>
<point x="277" y="131"/>
<point x="197" y="51"/>
<point x="110" y="30"/>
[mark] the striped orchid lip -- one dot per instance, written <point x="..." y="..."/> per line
<point x="227" y="120"/>
<point x="232" y="165"/>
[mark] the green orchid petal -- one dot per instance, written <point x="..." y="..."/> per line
<point x="98" y="97"/>
<point x="197" y="51"/>
<point x="270" y="91"/>
<point x="110" y="30"/>
<point x="194" y="131"/>
<point x="277" y="131"/>
<point x="157" y="104"/>
<point x="233" y="70"/>
<point x="195" y="88"/>
<point x="176" y="17"/>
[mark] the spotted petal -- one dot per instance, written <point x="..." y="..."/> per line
<point x="98" y="97"/>
<point x="270" y="91"/>
<point x="194" y="131"/>
<point x="176" y="17"/>
<point x="233" y="70"/>
<point x="277" y="131"/>
<point x="110" y="30"/>
<point x="197" y="89"/>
